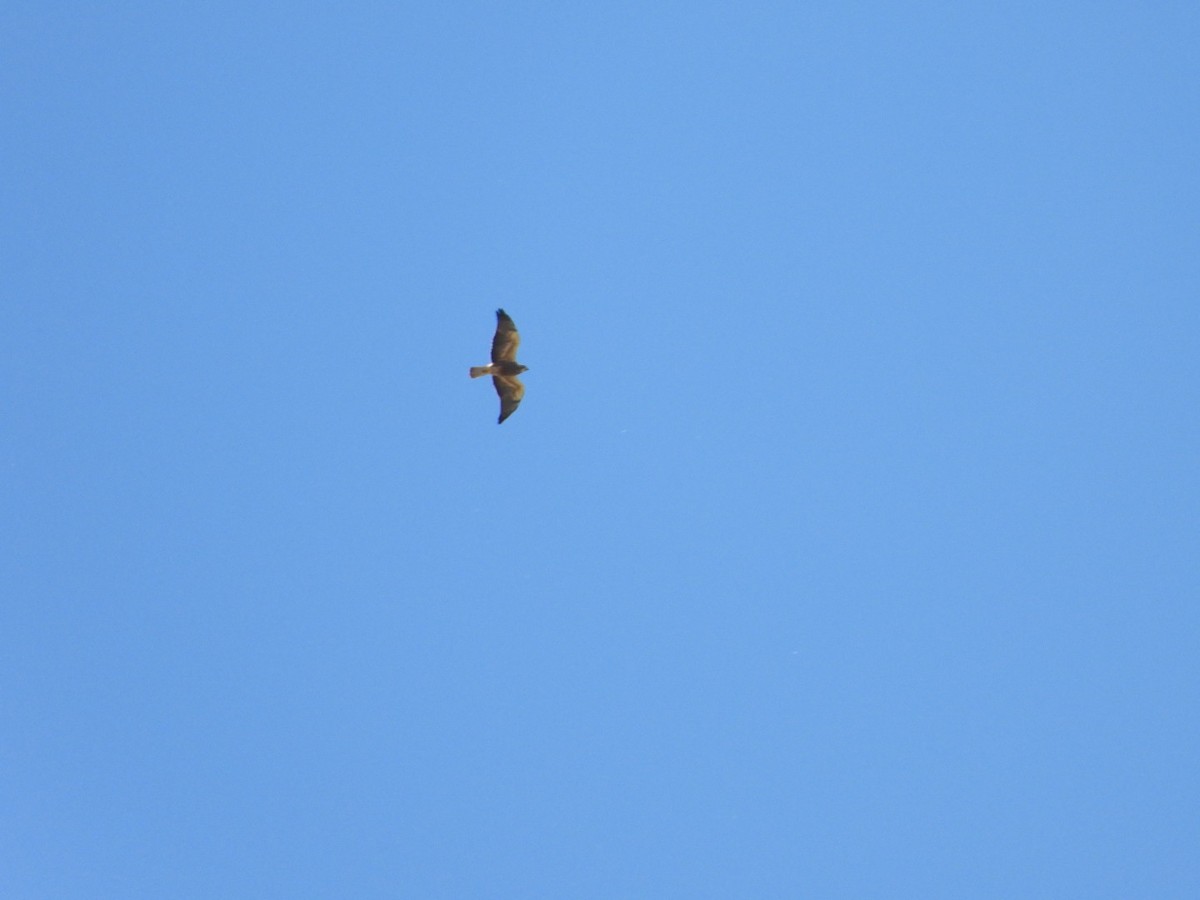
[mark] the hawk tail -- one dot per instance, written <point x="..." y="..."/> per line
<point x="480" y="371"/>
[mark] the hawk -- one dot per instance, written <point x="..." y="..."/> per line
<point x="504" y="368"/>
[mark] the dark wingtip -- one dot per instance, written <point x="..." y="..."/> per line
<point x="501" y="314"/>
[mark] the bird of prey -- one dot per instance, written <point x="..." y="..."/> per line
<point x="504" y="368"/>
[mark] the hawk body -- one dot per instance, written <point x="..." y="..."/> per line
<point x="504" y="367"/>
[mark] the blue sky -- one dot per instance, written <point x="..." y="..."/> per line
<point x="845" y="544"/>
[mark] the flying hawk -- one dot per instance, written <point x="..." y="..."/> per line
<point x="504" y="368"/>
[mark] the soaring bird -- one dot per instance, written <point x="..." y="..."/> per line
<point x="504" y="368"/>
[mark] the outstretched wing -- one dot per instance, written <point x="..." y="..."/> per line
<point x="506" y="341"/>
<point x="511" y="391"/>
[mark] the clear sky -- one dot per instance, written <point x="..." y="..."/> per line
<point x="847" y="543"/>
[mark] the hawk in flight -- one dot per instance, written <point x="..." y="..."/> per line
<point x="504" y="368"/>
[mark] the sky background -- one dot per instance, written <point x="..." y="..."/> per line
<point x="847" y="542"/>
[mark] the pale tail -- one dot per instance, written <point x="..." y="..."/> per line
<point x="480" y="371"/>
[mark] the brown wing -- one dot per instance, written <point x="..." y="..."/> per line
<point x="506" y="341"/>
<point x="511" y="391"/>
